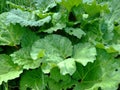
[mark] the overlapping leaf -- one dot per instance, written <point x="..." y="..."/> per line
<point x="58" y="22"/>
<point x="67" y="66"/>
<point x="44" y="5"/>
<point x="33" y="79"/>
<point x="54" y="48"/>
<point x="110" y="72"/>
<point x="22" y="58"/>
<point x="25" y="18"/>
<point x="69" y="4"/>
<point x="84" y="53"/>
<point x="8" y="70"/>
<point x="9" y="34"/>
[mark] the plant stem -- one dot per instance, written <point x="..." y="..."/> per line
<point x="5" y="85"/>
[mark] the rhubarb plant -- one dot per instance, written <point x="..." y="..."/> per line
<point x="60" y="45"/>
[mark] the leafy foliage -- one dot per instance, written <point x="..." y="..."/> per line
<point x="60" y="45"/>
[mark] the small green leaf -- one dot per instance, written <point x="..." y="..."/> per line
<point x="75" y="32"/>
<point x="67" y="66"/>
<point x="84" y="53"/>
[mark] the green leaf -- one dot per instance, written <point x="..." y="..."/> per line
<point x="84" y="53"/>
<point x="110" y="72"/>
<point x="46" y="67"/>
<point x="8" y="70"/>
<point x="115" y="8"/>
<point x="56" y="48"/>
<point x="58" y="22"/>
<point x="67" y="66"/>
<point x="33" y="79"/>
<point x="87" y="76"/>
<point x="9" y="34"/>
<point x="94" y="8"/>
<point x="69" y="4"/>
<point x="58" y="80"/>
<point x="22" y="58"/>
<point x="55" y="28"/>
<point x="75" y="32"/>
<point x="53" y="85"/>
<point x="110" y="19"/>
<point x="28" y="38"/>
<point x="25" y="18"/>
<point x="44" y="5"/>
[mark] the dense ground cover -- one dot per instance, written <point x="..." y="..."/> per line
<point x="59" y="45"/>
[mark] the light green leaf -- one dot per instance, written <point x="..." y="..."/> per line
<point x="8" y="70"/>
<point x="58" y="26"/>
<point x="67" y="66"/>
<point x="9" y="34"/>
<point x="110" y="19"/>
<point x="44" y="5"/>
<point x="84" y="53"/>
<point x="25" y="18"/>
<point x="46" y="67"/>
<point x="115" y="9"/>
<point x="88" y="1"/>
<point x="116" y="47"/>
<point x="75" y="32"/>
<point x="33" y="79"/>
<point x="22" y="57"/>
<point x="55" y="47"/>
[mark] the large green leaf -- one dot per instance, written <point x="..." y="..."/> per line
<point x="54" y="48"/>
<point x="110" y="72"/>
<point x="22" y="57"/>
<point x="87" y="76"/>
<point x="25" y="18"/>
<point x="33" y="79"/>
<point x="84" y="53"/>
<point x="9" y="34"/>
<point x="103" y="73"/>
<point x="8" y="69"/>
